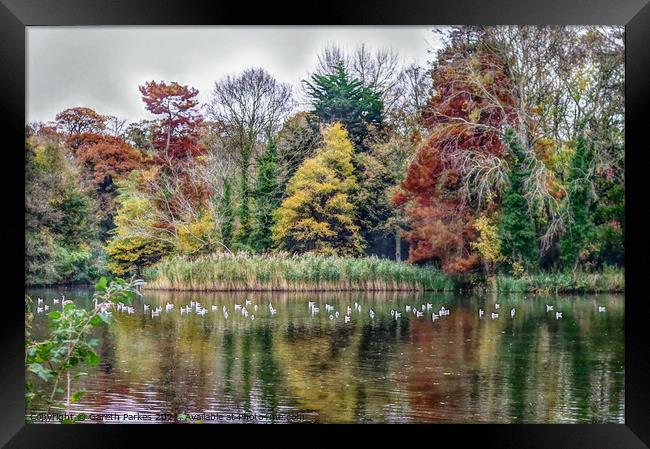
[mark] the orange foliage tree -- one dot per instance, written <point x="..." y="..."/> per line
<point x="458" y="169"/>
<point x="178" y="152"/>
<point x="80" y="120"/>
<point x="109" y="159"/>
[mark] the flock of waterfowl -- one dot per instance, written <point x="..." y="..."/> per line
<point x="248" y="310"/>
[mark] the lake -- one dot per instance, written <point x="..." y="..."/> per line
<point x="300" y="366"/>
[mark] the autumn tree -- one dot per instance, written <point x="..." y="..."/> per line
<point x="109" y="158"/>
<point x="488" y="244"/>
<point x="176" y="136"/>
<point x="459" y="168"/>
<point x="249" y="107"/>
<point x="79" y="120"/>
<point x="317" y="216"/>
<point x="177" y="147"/>
<point x="168" y="205"/>
<point x="137" y="240"/>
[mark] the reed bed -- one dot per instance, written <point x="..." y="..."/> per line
<point x="610" y="280"/>
<point x="224" y="272"/>
<point x="282" y="272"/>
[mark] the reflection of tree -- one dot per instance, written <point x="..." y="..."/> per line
<point x="268" y="371"/>
<point x="246" y="371"/>
<point x="319" y="367"/>
<point x="228" y="347"/>
<point x="459" y="369"/>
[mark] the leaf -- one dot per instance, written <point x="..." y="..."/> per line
<point x="96" y="320"/>
<point x="92" y="358"/>
<point x="101" y="284"/>
<point x="54" y="315"/>
<point x="40" y="371"/>
<point x="77" y="395"/>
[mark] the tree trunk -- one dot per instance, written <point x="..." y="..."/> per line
<point x="398" y="246"/>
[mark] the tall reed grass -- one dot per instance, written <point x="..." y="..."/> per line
<point x="223" y="272"/>
<point x="283" y="272"/>
<point x="610" y="279"/>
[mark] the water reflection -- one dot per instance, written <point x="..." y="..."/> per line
<point x="461" y="368"/>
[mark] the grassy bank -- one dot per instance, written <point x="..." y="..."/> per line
<point x="222" y="272"/>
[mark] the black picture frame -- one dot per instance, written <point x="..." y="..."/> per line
<point x="15" y="15"/>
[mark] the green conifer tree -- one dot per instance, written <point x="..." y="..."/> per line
<point x="516" y="228"/>
<point x="580" y="227"/>
<point x="227" y="215"/>
<point x="266" y="198"/>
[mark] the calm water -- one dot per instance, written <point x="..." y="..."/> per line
<point x="530" y="369"/>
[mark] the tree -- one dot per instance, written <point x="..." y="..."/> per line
<point x="79" y="120"/>
<point x="516" y="228"/>
<point x="488" y="243"/>
<point x="459" y="168"/>
<point x="169" y="205"/>
<point x="338" y="98"/>
<point x="176" y="137"/>
<point x="249" y="107"/>
<point x="296" y="141"/>
<point x="178" y="152"/>
<point x="266" y="197"/>
<point x="110" y="158"/>
<point x="228" y="222"/>
<point x="317" y="216"/>
<point x="580" y="228"/>
<point x="392" y="158"/>
<point x="137" y="242"/>
<point x="140" y="135"/>
<point x="60" y="217"/>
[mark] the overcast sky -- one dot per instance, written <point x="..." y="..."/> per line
<point x="101" y="67"/>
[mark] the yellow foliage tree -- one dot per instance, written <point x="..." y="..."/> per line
<point x="317" y="216"/>
<point x="488" y="244"/>
<point x="130" y="251"/>
<point x="197" y="236"/>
